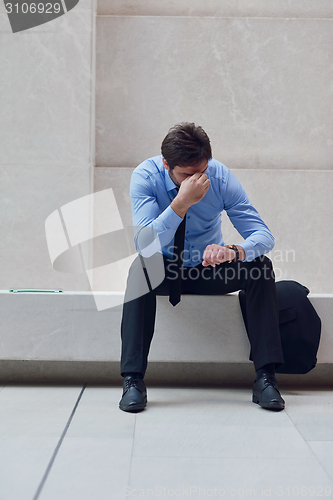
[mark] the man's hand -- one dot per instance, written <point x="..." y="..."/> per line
<point x="191" y="191"/>
<point x="216" y="254"/>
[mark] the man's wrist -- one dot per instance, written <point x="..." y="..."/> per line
<point x="238" y="251"/>
<point x="242" y="254"/>
<point x="179" y="207"/>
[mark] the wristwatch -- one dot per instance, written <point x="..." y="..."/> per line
<point x="233" y="247"/>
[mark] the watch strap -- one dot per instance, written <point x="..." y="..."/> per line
<point x="233" y="247"/>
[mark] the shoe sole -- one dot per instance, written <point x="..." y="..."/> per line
<point x="267" y="406"/>
<point x="133" y="408"/>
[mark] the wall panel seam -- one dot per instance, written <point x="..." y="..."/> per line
<point x="219" y="17"/>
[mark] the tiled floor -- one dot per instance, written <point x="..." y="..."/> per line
<point x="73" y="443"/>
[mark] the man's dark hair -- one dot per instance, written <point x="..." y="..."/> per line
<point x="186" y="145"/>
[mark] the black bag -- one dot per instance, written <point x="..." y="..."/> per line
<point x="300" y="327"/>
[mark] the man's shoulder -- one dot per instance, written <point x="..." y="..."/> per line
<point x="218" y="170"/>
<point x="151" y="167"/>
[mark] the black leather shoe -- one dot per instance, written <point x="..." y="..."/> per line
<point x="134" y="395"/>
<point x="266" y="393"/>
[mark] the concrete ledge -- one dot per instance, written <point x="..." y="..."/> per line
<point x="53" y="337"/>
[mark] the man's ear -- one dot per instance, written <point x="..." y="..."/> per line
<point x="165" y="163"/>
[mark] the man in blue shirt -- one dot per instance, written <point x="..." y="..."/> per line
<point x="179" y="196"/>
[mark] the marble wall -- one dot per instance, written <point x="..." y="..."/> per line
<point x="47" y="144"/>
<point x="257" y="75"/>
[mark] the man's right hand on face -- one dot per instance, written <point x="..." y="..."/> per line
<point x="191" y="191"/>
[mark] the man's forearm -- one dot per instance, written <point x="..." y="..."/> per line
<point x="165" y="224"/>
<point x="179" y="207"/>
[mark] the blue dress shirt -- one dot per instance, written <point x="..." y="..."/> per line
<point x="152" y="191"/>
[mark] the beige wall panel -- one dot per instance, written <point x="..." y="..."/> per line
<point x="46" y="102"/>
<point x="119" y="180"/>
<point x="46" y="90"/>
<point x="261" y="87"/>
<point x="295" y="205"/>
<point x="29" y="195"/>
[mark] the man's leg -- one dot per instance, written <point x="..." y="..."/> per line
<point x="137" y="329"/>
<point x="262" y="313"/>
<point x="257" y="279"/>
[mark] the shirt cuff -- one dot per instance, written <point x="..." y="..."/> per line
<point x="250" y="251"/>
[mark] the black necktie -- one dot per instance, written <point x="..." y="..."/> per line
<point x="175" y="286"/>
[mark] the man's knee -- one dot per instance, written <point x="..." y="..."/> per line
<point x="136" y="285"/>
<point x="261" y="268"/>
<point x="263" y="260"/>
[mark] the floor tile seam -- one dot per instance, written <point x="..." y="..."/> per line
<point x="57" y="448"/>
<point x="329" y="474"/>
<point x="309" y="447"/>
<point x="131" y="454"/>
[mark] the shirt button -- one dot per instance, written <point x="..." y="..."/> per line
<point x="188" y="216"/>
<point x="186" y="232"/>
<point x="192" y="246"/>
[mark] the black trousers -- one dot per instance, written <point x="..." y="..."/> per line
<point x="256" y="278"/>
